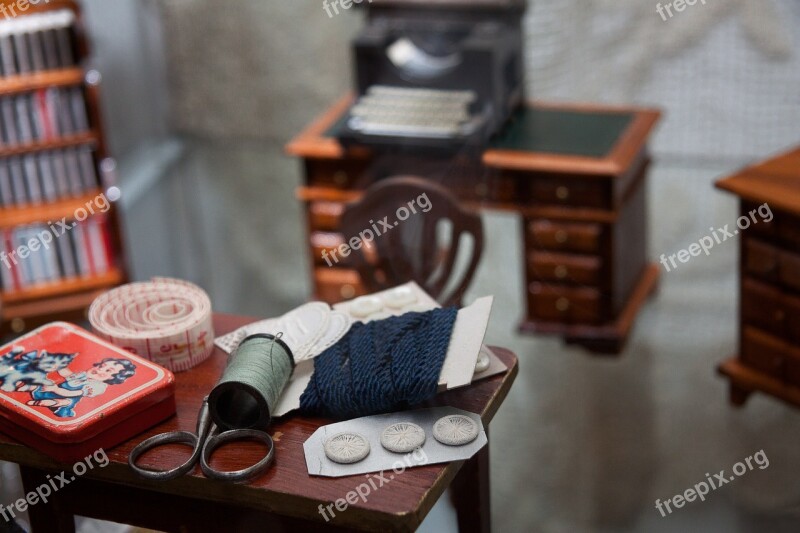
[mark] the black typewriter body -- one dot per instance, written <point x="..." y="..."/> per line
<point x="435" y="75"/>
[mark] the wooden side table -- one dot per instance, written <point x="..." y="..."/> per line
<point x="285" y="498"/>
<point x="575" y="174"/>
<point x="769" y="337"/>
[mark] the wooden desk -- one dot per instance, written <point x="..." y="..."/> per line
<point x="284" y="497"/>
<point x="576" y="175"/>
<point x="769" y="337"/>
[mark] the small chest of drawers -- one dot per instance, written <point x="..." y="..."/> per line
<point x="769" y="308"/>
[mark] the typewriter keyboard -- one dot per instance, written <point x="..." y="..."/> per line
<point x="398" y="111"/>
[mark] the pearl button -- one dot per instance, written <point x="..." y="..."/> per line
<point x="364" y="306"/>
<point x="400" y="297"/>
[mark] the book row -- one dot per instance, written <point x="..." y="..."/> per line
<point x="43" y="115"/>
<point x="38" y="254"/>
<point x="47" y="176"/>
<point x="37" y="42"/>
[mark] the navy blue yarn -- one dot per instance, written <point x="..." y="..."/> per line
<point x="382" y="366"/>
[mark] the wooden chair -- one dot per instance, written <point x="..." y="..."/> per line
<point x="406" y="217"/>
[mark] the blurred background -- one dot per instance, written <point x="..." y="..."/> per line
<point x="200" y="97"/>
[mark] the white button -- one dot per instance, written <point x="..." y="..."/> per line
<point x="483" y="362"/>
<point x="365" y="306"/>
<point x="402" y="437"/>
<point x="400" y="297"/>
<point x="455" y="430"/>
<point x="346" y="448"/>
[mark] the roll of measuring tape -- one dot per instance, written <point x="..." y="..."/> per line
<point x="166" y="320"/>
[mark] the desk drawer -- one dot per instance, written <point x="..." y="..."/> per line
<point x="569" y="191"/>
<point x="565" y="237"/>
<point x="788" y="230"/>
<point x="333" y="285"/>
<point x="324" y="216"/>
<point x="789" y="272"/>
<point x="761" y="260"/>
<point x="335" y="173"/>
<point x="561" y="303"/>
<point x="791" y="306"/>
<point x="767" y="230"/>
<point x="326" y="244"/>
<point x="792" y="365"/>
<point x="769" y="263"/>
<point x="763" y="352"/>
<point x="762" y="306"/>
<point x="564" y="268"/>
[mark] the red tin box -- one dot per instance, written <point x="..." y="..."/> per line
<point x="68" y="393"/>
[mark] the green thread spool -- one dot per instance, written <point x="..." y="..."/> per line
<point x="251" y="384"/>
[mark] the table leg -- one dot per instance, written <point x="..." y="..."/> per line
<point x="471" y="494"/>
<point x="45" y="516"/>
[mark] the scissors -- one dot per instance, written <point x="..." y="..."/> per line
<point x="204" y="441"/>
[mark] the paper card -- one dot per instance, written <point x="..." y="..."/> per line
<point x="381" y="459"/>
<point x="459" y="364"/>
<point x="308" y="330"/>
<point x="458" y="369"/>
<point x="465" y="344"/>
<point x="290" y="397"/>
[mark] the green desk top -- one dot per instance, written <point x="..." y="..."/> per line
<point x="555" y="131"/>
<point x="578" y="133"/>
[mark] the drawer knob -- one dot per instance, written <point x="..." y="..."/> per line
<point x="482" y="190"/>
<point x="561" y="272"/>
<point x="340" y="178"/>
<point x="780" y="315"/>
<point x="562" y="193"/>
<point x="347" y="291"/>
<point x="562" y="305"/>
<point x="561" y="236"/>
<point x="17" y="325"/>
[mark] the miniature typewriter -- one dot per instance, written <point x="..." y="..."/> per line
<point x="438" y="74"/>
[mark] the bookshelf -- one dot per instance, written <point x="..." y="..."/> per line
<point x="54" y="173"/>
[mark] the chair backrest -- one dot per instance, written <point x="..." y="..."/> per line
<point x="398" y="224"/>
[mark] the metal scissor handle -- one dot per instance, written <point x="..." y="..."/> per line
<point x="244" y="474"/>
<point x="206" y="440"/>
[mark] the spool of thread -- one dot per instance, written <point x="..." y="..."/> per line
<point x="257" y="372"/>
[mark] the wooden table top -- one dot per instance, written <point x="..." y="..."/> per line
<point x="286" y="488"/>
<point x="315" y="141"/>
<point x="775" y="181"/>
